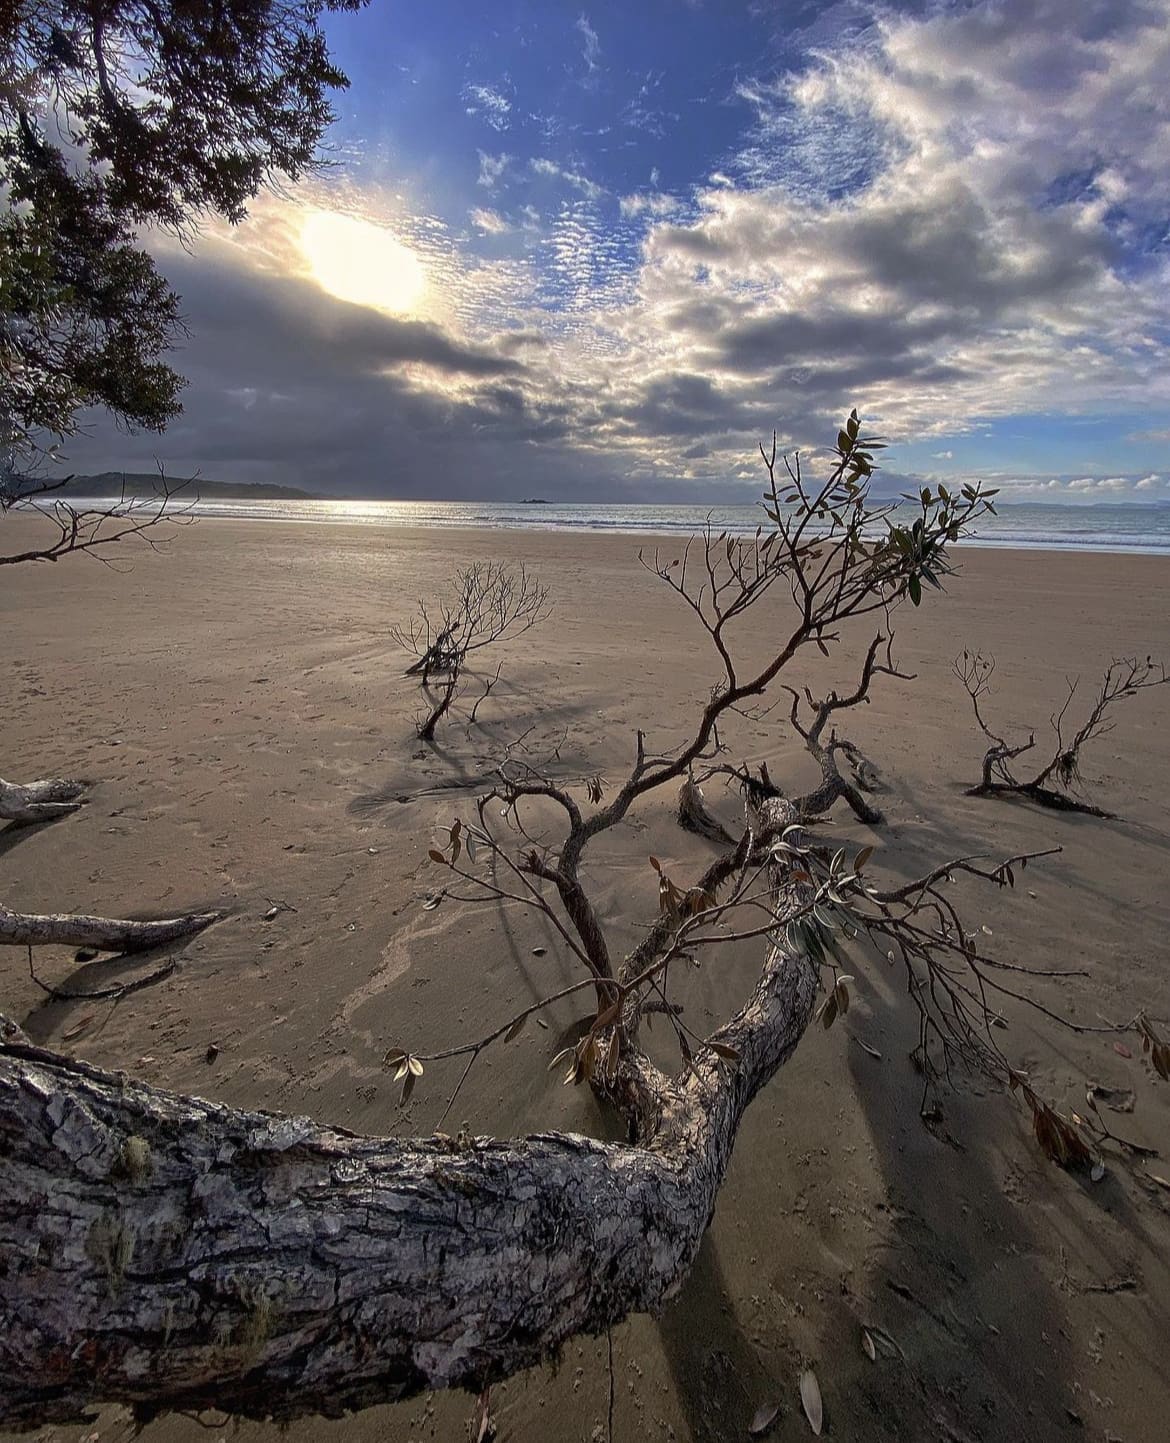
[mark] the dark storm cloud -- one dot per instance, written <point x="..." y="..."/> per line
<point x="289" y="385"/>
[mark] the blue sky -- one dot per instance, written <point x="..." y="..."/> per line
<point x="598" y="251"/>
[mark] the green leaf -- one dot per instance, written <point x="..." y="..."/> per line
<point x="914" y="587"/>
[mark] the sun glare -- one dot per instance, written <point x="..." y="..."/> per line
<point x="358" y="261"/>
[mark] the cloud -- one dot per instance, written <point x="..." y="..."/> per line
<point x="591" y="48"/>
<point x="1069" y="488"/>
<point x="948" y="217"/>
<point x="651" y="203"/>
<point x="492" y="168"/>
<point x="489" y="221"/>
<point x="575" y="178"/>
<point x="288" y="384"/>
<point x="949" y="272"/>
<point x="488" y="103"/>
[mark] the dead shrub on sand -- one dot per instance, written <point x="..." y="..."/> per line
<point x="493" y="602"/>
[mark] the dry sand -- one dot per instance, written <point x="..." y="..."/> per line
<point x="241" y="709"/>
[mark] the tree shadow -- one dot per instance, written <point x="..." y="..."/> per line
<point x="718" y="1375"/>
<point x="100" y="983"/>
<point x="16" y="832"/>
<point x="957" y="1277"/>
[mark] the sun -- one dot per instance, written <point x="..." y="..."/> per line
<point x="358" y="261"/>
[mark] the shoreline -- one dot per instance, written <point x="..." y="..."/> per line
<point x="515" y="518"/>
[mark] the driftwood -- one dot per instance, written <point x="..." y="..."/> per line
<point x="43" y="801"/>
<point x="694" y="816"/>
<point x="107" y="934"/>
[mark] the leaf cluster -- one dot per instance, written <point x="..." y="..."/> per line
<point x="115" y="114"/>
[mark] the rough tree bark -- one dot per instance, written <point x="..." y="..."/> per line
<point x="166" y="1252"/>
<point x="42" y="801"/>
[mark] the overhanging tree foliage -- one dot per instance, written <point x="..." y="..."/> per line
<point x="119" y="114"/>
<point x="168" y="1253"/>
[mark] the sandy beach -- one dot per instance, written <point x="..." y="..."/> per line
<point x="240" y="707"/>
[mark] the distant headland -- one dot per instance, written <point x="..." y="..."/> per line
<point x="149" y="483"/>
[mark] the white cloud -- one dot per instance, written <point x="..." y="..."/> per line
<point x="492" y="168"/>
<point x="591" y="46"/>
<point x="957" y="217"/>
<point x="489" y="221"/>
<point x="491" y="104"/>
<point x="974" y="262"/>
<point x="653" y="204"/>
<point x="579" y="181"/>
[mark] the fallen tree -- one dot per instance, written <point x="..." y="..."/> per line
<point x="170" y="1253"/>
<point x="1123" y="678"/>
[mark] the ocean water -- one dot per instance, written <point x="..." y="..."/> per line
<point x="1047" y="527"/>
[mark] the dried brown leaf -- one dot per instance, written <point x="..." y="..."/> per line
<point x="516" y="1028"/>
<point x="78" y="1027"/>
<point x="436" y="856"/>
<point x="868" y="1346"/>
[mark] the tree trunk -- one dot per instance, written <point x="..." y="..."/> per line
<point x="168" y="1253"/>
<point x="426" y="729"/>
<point x="42" y="801"/>
<point x="27" y="929"/>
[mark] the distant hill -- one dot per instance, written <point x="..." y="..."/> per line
<point x="148" y="483"/>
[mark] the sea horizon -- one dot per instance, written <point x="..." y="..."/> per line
<point x="1125" y="527"/>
